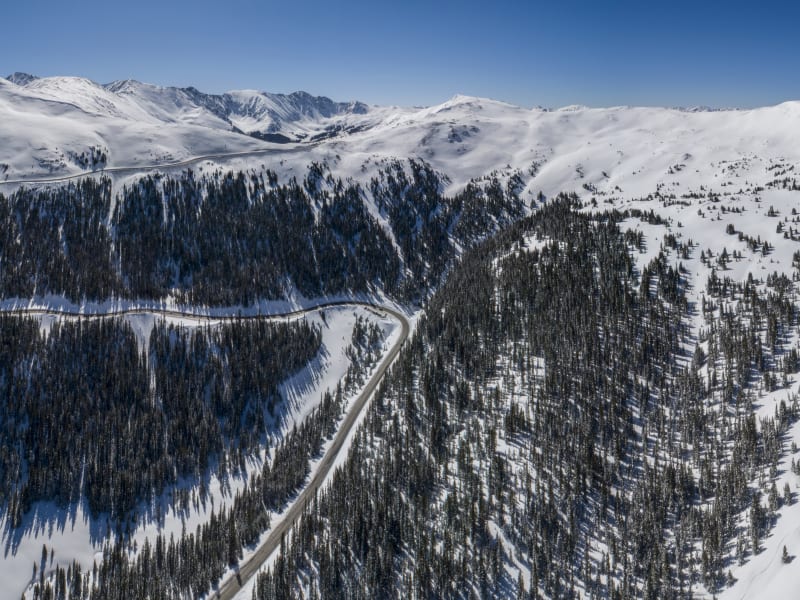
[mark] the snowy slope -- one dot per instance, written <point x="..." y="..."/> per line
<point x="45" y="127"/>
<point x="47" y="122"/>
<point x="665" y="159"/>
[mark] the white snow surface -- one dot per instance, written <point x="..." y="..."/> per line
<point x="46" y="121"/>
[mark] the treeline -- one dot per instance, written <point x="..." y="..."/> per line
<point x="236" y="238"/>
<point x="84" y="413"/>
<point x="427" y="226"/>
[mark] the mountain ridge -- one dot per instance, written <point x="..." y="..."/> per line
<point x="23" y="79"/>
<point x="266" y="111"/>
<point x="669" y="237"/>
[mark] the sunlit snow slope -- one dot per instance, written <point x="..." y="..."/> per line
<point x="47" y="124"/>
<point x="710" y="175"/>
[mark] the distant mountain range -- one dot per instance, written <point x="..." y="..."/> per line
<point x="63" y="126"/>
<point x="256" y="113"/>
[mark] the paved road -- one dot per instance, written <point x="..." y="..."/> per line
<point x="230" y="587"/>
<point x="181" y="163"/>
<point x="189" y="314"/>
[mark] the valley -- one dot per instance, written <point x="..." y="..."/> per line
<point x="467" y="350"/>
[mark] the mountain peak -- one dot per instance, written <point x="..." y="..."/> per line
<point x="471" y="102"/>
<point x="123" y="85"/>
<point x="21" y="78"/>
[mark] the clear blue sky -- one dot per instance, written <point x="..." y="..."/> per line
<point x="529" y="53"/>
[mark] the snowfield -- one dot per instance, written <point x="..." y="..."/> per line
<point x="47" y="123"/>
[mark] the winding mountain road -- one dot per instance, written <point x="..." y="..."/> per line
<point x="289" y="149"/>
<point x="227" y="589"/>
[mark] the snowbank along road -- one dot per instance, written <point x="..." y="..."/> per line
<point x="229" y="588"/>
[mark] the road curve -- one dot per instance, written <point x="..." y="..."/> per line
<point x="153" y="167"/>
<point x="230" y="587"/>
<point x="23" y="311"/>
<point x="246" y="570"/>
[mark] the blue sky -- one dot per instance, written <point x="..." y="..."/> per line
<point x="412" y="53"/>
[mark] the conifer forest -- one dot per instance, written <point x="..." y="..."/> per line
<point x="283" y="378"/>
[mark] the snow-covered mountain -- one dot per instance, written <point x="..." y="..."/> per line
<point x="48" y="122"/>
<point x="707" y="200"/>
<point x="247" y="111"/>
<point x="48" y="125"/>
